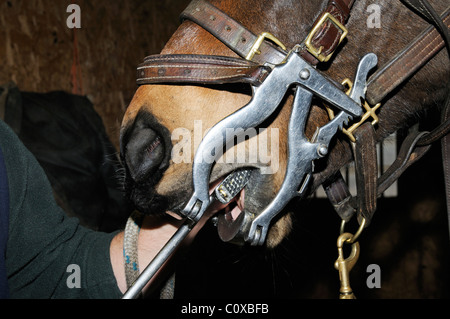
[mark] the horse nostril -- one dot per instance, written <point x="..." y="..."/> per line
<point x="145" y="152"/>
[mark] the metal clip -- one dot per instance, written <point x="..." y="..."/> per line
<point x="345" y="265"/>
<point x="317" y="52"/>
<point x="255" y="47"/>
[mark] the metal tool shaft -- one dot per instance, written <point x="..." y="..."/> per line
<point x="159" y="260"/>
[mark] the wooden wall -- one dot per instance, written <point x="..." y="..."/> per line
<point x="37" y="47"/>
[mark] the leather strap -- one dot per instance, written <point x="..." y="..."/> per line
<point x="176" y="68"/>
<point x="366" y="168"/>
<point x="425" y="8"/>
<point x="339" y="196"/>
<point x="366" y="173"/>
<point x="405" y="63"/>
<point x="408" y="154"/>
<point x="230" y="32"/>
<point x="241" y="40"/>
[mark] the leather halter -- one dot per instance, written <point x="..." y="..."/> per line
<point x="329" y="31"/>
<point x="240" y="40"/>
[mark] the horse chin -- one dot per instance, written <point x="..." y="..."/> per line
<point x="144" y="197"/>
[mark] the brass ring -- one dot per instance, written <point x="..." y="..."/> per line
<point x="358" y="232"/>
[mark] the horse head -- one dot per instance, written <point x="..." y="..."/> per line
<point x="165" y="122"/>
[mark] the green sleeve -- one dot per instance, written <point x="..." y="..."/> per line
<point x="47" y="252"/>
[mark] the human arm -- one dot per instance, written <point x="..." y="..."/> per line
<point x="43" y="242"/>
<point x="156" y="231"/>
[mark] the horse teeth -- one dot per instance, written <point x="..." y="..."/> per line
<point x="232" y="185"/>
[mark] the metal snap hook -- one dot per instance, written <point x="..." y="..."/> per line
<point x="345" y="265"/>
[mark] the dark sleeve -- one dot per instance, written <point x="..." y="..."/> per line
<point x="48" y="252"/>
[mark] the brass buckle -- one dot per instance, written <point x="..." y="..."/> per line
<point x="370" y="112"/>
<point x="317" y="52"/>
<point x="255" y="47"/>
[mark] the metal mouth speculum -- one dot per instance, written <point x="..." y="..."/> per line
<point x="295" y="71"/>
